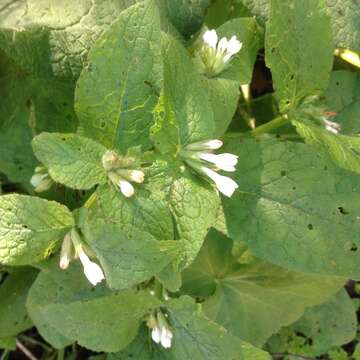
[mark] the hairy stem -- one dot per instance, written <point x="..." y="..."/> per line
<point x="262" y="129"/>
<point x="25" y="350"/>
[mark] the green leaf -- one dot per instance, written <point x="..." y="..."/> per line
<point x="30" y="228"/>
<point x="345" y="15"/>
<point x="343" y="150"/>
<point x="224" y="96"/>
<point x="221" y="11"/>
<point x="17" y="161"/>
<point x="251" y="298"/>
<point x="344" y="89"/>
<point x="48" y="39"/>
<point x="97" y="318"/>
<point x="344" y="19"/>
<point x="8" y="343"/>
<point x="333" y="323"/>
<point x="301" y="57"/>
<point x="186" y="15"/>
<point x="259" y="8"/>
<point x="194" y="205"/>
<point x="184" y="114"/>
<point x="145" y="211"/>
<point x="13" y="292"/>
<point x="195" y="337"/>
<point x="251" y="35"/>
<point x="128" y="259"/>
<point x="70" y="159"/>
<point x="295" y="208"/>
<point x="118" y="90"/>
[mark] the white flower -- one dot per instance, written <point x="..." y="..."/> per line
<point x="132" y="175"/>
<point x="66" y="254"/>
<point x="73" y="248"/>
<point x="92" y="271"/>
<point x="216" y="55"/>
<point x="210" y="38"/>
<point x="126" y="188"/>
<point x="205" y="145"/>
<point x="41" y="180"/>
<point x="225" y="185"/>
<point x="160" y="333"/>
<point x="120" y="172"/>
<point x="200" y="157"/>
<point x="332" y="126"/>
<point x="226" y="162"/>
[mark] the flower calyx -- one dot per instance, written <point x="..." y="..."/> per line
<point x="122" y="172"/>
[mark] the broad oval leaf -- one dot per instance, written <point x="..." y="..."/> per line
<point x="30" y="228"/>
<point x="70" y="159"/>
<point x="301" y="57"/>
<point x="118" y="90"/>
<point x="249" y="297"/>
<point x="97" y="318"/>
<point x="295" y="208"/>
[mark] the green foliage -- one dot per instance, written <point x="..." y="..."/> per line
<point x="30" y="228"/>
<point x="143" y="248"/>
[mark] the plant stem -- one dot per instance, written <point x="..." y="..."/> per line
<point x="61" y="354"/>
<point x="30" y="340"/>
<point x="26" y="351"/>
<point x="278" y="355"/>
<point x="5" y="354"/>
<point x="262" y="129"/>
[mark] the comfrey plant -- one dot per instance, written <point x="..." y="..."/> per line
<point x="163" y="196"/>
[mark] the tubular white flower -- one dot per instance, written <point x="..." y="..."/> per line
<point x="225" y="185"/>
<point x="36" y="179"/>
<point x="92" y="271"/>
<point x="213" y="144"/>
<point x="132" y="175"/>
<point x="210" y="38"/>
<point x="156" y="334"/>
<point x="226" y="162"/>
<point x="126" y="188"/>
<point x="66" y="253"/>
<point x="332" y="126"/>
<point x="166" y="338"/>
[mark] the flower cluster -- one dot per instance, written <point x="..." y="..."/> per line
<point x="41" y="180"/>
<point x="201" y="158"/>
<point x="73" y="248"/>
<point x="160" y="329"/>
<point x="121" y="171"/>
<point x="216" y="55"/>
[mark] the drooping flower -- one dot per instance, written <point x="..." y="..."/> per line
<point x="216" y="55"/>
<point x="41" y="180"/>
<point x="160" y="329"/>
<point x="121" y="172"/>
<point x="201" y="158"/>
<point x="332" y="126"/>
<point x="73" y="248"/>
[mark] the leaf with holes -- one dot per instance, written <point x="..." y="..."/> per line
<point x="295" y="208"/>
<point x="301" y="57"/>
